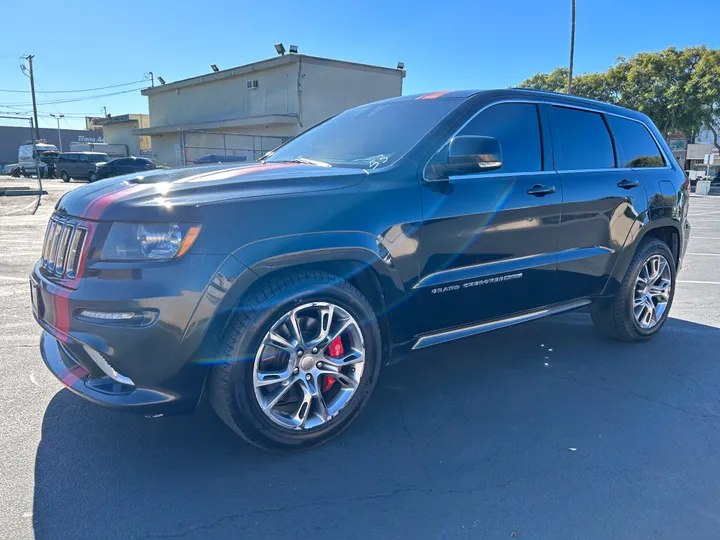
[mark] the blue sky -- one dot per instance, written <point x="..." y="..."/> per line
<point x="444" y="45"/>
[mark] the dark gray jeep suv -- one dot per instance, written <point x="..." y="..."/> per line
<point x="278" y="289"/>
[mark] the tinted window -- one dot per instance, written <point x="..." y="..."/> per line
<point x="123" y="162"/>
<point x="584" y="141"/>
<point x="63" y="158"/>
<point x="636" y="147"/>
<point x="516" y="127"/>
<point x="97" y="158"/>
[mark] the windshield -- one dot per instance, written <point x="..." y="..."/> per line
<point x="98" y="158"/>
<point x="371" y="136"/>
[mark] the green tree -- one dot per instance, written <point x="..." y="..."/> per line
<point x="706" y="84"/>
<point x="678" y="89"/>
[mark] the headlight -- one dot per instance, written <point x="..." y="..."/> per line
<point x="148" y="241"/>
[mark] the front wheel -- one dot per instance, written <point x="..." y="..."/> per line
<point x="642" y="304"/>
<point x="303" y="355"/>
<point x="92" y="176"/>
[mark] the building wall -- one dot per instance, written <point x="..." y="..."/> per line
<point x="164" y="148"/>
<point x="329" y="89"/>
<point x="122" y="133"/>
<point x="227" y="98"/>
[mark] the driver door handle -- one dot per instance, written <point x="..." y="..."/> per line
<point x="628" y="184"/>
<point x="540" y="191"/>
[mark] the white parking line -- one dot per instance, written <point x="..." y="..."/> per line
<point x="12" y="278"/>
<point x="704" y="254"/>
<point x="705" y="214"/>
<point x="692" y="237"/>
<point x="699" y="282"/>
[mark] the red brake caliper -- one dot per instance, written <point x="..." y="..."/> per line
<point x="336" y="351"/>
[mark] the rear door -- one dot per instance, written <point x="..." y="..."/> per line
<point x="488" y="240"/>
<point x="601" y="201"/>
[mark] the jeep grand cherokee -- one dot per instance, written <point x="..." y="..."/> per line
<point x="278" y="289"/>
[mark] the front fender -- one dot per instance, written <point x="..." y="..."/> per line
<point x="350" y="251"/>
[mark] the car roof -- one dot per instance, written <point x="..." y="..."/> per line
<point x="528" y="93"/>
<point x="94" y="153"/>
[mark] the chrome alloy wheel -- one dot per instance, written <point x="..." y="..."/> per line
<point x="652" y="291"/>
<point x="299" y="382"/>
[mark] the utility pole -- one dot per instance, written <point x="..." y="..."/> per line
<point x="58" y="117"/>
<point x="572" y="49"/>
<point x="29" y="58"/>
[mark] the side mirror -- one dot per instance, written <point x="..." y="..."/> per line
<point x="469" y="154"/>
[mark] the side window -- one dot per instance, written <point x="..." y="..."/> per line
<point x="583" y="140"/>
<point x="636" y="147"/>
<point x="83" y="158"/>
<point x="123" y="162"/>
<point x="517" y="129"/>
<point x="62" y="158"/>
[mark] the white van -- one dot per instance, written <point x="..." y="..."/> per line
<point x="30" y="157"/>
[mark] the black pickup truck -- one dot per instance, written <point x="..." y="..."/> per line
<point x="278" y="289"/>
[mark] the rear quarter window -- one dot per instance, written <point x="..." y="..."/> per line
<point x="636" y="147"/>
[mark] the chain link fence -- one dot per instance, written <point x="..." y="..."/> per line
<point x="21" y="169"/>
<point x="198" y="147"/>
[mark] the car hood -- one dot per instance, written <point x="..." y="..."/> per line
<point x="168" y="193"/>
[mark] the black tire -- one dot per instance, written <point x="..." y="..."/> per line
<point x="615" y="318"/>
<point x="230" y="385"/>
<point x="65" y="176"/>
<point x="92" y="176"/>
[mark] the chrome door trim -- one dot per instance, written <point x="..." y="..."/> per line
<point x="506" y="266"/>
<point x="467" y="331"/>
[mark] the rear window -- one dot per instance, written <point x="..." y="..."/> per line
<point x="583" y="141"/>
<point x="636" y="147"/>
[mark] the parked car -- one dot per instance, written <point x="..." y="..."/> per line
<point x="37" y="157"/>
<point x="214" y="158"/>
<point x="12" y="169"/>
<point x="278" y="289"/>
<point x="128" y="165"/>
<point x="80" y="165"/>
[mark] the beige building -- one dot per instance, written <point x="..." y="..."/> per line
<point x="121" y="130"/>
<point x="248" y="110"/>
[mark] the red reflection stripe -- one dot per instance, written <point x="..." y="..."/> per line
<point x="434" y="95"/>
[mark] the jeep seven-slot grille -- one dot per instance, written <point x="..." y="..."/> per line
<point x="63" y="247"/>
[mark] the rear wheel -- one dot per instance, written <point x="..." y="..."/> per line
<point x="65" y="176"/>
<point x="304" y="354"/>
<point x="643" y="302"/>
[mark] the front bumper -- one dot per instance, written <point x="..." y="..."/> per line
<point x="86" y="380"/>
<point x="148" y="366"/>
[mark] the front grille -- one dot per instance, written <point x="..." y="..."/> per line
<point x="63" y="247"/>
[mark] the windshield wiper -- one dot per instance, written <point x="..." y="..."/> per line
<point x="307" y="161"/>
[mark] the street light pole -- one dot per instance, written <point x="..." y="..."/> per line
<point x="58" y="117"/>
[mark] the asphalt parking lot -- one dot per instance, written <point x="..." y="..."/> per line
<point x="535" y="432"/>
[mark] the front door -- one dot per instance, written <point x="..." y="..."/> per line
<point x="488" y="240"/>
<point x="601" y="200"/>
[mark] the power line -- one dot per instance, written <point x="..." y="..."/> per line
<point x="77" y="91"/>
<point x="71" y="100"/>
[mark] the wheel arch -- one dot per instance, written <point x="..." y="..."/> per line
<point x="666" y="229"/>
<point x="357" y="258"/>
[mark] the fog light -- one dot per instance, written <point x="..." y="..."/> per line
<point x="108" y="315"/>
